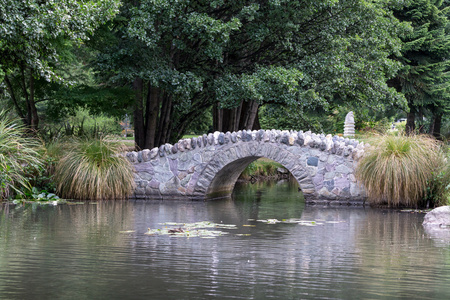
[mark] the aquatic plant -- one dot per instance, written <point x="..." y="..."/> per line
<point x="18" y="157"/>
<point x="198" y="229"/>
<point x="397" y="169"/>
<point x="94" y="169"/>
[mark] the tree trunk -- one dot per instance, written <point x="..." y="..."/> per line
<point x="245" y="107"/>
<point x="420" y="122"/>
<point x="165" y="137"/>
<point x="238" y="117"/>
<point x="256" y="124"/>
<point x="234" y="119"/>
<point x="151" y="115"/>
<point x="245" y="116"/>
<point x="435" y="128"/>
<point x="34" y="117"/>
<point x="13" y="97"/>
<point x="188" y="118"/>
<point x="253" y="110"/>
<point x="228" y="117"/>
<point x="138" y="114"/>
<point x="217" y="118"/>
<point x="25" y="95"/>
<point x="410" y="124"/>
<point x="164" y="120"/>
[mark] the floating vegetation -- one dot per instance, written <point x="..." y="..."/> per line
<point x="203" y="229"/>
<point x="421" y="211"/>
<point x="127" y="231"/>
<point x="197" y="229"/>
<point x="292" y="221"/>
<point x="203" y="224"/>
<point x="191" y="232"/>
<point x="39" y="202"/>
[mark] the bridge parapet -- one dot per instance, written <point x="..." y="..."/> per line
<point x="210" y="164"/>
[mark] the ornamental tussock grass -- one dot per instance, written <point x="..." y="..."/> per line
<point x="18" y="156"/>
<point x="397" y="169"/>
<point x="94" y="169"/>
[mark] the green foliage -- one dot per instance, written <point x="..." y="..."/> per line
<point x="288" y="118"/>
<point x="381" y="126"/>
<point x="400" y="126"/>
<point x="18" y="157"/>
<point x="396" y="170"/>
<point x="40" y="195"/>
<point x="40" y="54"/>
<point x="81" y="124"/>
<point x="261" y="168"/>
<point x="304" y="54"/>
<point x="33" y="31"/>
<point x="438" y="188"/>
<point x="42" y="177"/>
<point x="93" y="169"/>
<point x="424" y="76"/>
<point x="201" y="124"/>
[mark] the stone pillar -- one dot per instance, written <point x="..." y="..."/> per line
<point x="349" y="125"/>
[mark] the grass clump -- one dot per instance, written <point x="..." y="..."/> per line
<point x="94" y="169"/>
<point x="18" y="157"/>
<point x="397" y="170"/>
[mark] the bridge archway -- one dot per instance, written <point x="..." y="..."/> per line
<point x="323" y="166"/>
<point x="224" y="168"/>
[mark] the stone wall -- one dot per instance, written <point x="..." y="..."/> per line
<point x="209" y="165"/>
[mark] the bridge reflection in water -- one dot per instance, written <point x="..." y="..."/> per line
<point x="99" y="250"/>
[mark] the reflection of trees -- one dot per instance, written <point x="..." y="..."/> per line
<point x="102" y="220"/>
<point x="394" y="233"/>
<point x="269" y="200"/>
<point x="39" y="242"/>
<point x="396" y="256"/>
<point x="356" y="254"/>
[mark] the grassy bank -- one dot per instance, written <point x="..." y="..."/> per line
<point x="261" y="169"/>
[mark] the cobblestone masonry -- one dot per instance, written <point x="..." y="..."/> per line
<point x="209" y="165"/>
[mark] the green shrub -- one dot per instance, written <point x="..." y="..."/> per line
<point x="261" y="168"/>
<point x="18" y="157"/>
<point x="438" y="189"/>
<point x="379" y="127"/>
<point x="94" y="169"/>
<point x="400" y="126"/>
<point x="396" y="170"/>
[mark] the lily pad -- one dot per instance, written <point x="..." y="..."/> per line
<point x="197" y="229"/>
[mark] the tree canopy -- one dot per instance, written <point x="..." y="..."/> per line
<point x="180" y="61"/>
<point x="183" y="57"/>
<point x="34" y="35"/>
<point x="424" y="76"/>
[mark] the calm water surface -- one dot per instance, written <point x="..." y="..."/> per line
<point x="81" y="252"/>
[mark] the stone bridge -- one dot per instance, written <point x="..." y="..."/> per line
<point x="208" y="166"/>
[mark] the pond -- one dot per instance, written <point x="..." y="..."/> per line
<point x="100" y="250"/>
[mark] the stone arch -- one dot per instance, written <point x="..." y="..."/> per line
<point x="222" y="170"/>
